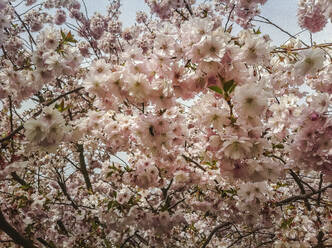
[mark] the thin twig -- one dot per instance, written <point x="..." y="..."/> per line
<point x="71" y="162"/>
<point x="61" y="182"/>
<point x="229" y="17"/>
<point x="30" y="9"/>
<point x="24" y="25"/>
<point x="175" y="204"/>
<point x="181" y="14"/>
<point x="281" y="29"/>
<point x="319" y="187"/>
<point x="20" y="117"/>
<point x="86" y="10"/>
<point x="194" y="162"/>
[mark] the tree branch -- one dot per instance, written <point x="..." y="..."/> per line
<point x="229" y="17"/>
<point x="18" y="179"/>
<point x="299" y="183"/>
<point x="302" y="197"/>
<point x="188" y="8"/>
<point x="83" y="167"/>
<point x="63" y="187"/>
<point x="175" y="204"/>
<point x="241" y="237"/>
<point x="45" y="243"/>
<point x="181" y="14"/>
<point x="320" y="186"/>
<point x="62" y="227"/>
<point x="11" y="120"/>
<point x="194" y="162"/>
<point x="214" y="230"/>
<point x="16" y="236"/>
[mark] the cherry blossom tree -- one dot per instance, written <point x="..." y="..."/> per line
<point x="174" y="132"/>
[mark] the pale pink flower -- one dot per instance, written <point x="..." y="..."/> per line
<point x="250" y="191"/>
<point x="35" y="130"/>
<point x="250" y="100"/>
<point x="138" y="87"/>
<point x="255" y="51"/>
<point x="320" y="103"/>
<point x="312" y="60"/>
<point x="123" y="196"/>
<point x="237" y="147"/>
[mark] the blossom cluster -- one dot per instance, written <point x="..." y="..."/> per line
<point x="313" y="15"/>
<point x="46" y="132"/>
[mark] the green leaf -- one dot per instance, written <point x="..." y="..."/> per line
<point x="279" y="185"/>
<point x="67" y="37"/>
<point x="279" y="146"/>
<point x="258" y="31"/>
<point x="63" y="35"/>
<point x="61" y="107"/>
<point x="229" y="29"/>
<point x="25" y="187"/>
<point x="212" y="165"/>
<point x="216" y="89"/>
<point x="287" y="222"/>
<point x="111" y="204"/>
<point x="229" y="86"/>
<point x="51" y="243"/>
<point x="190" y="65"/>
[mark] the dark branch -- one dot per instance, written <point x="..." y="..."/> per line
<point x="194" y="162"/>
<point x="18" y="179"/>
<point x="216" y="229"/>
<point x="299" y="183"/>
<point x="320" y="186"/>
<point x="45" y="243"/>
<point x="11" y="120"/>
<point x="83" y="167"/>
<point x="302" y="197"/>
<point x="16" y="236"/>
<point x="229" y="17"/>
<point x="62" y="227"/>
<point x="188" y="8"/>
<point x="63" y="187"/>
<point x="175" y="204"/>
<point x="241" y="237"/>
<point x="181" y="14"/>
